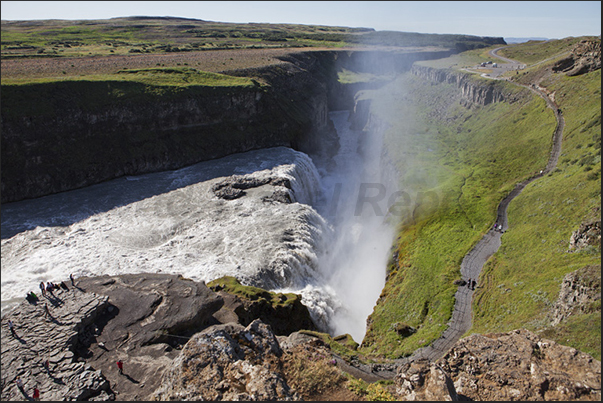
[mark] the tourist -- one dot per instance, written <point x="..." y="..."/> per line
<point x="36" y="394"/>
<point x="72" y="279"/>
<point x="43" y="288"/>
<point x="47" y="365"/>
<point x="31" y="297"/>
<point x="12" y="328"/>
<point x="19" y="383"/>
<point x="46" y="311"/>
<point x="120" y="365"/>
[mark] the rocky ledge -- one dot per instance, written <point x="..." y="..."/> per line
<point x="142" y="319"/>
<point x="182" y="340"/>
<point x="517" y="365"/>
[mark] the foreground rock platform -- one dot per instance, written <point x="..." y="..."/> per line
<point x="145" y="320"/>
<point x="141" y="319"/>
<point x="178" y="339"/>
<point x="517" y="365"/>
<point x="39" y="337"/>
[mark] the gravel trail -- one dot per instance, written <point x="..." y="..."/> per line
<point x="474" y="261"/>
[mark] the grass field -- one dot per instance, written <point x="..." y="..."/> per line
<point x="148" y="35"/>
<point x="518" y="287"/>
<point x="471" y="158"/>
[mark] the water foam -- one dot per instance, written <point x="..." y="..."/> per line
<point x="171" y="222"/>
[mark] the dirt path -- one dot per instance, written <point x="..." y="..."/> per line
<point x="473" y="262"/>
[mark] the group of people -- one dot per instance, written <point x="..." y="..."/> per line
<point x="498" y="227"/>
<point x="32" y="297"/>
<point x="471" y="283"/>
<point x="36" y="392"/>
<point x="50" y="286"/>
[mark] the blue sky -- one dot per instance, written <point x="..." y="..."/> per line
<point x="547" y="19"/>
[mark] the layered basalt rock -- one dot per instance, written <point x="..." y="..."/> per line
<point x="584" y="58"/>
<point x="472" y="92"/>
<point x="517" y="365"/>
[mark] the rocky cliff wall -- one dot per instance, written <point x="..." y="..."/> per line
<point x="473" y="91"/>
<point x="65" y="135"/>
<point x="82" y="133"/>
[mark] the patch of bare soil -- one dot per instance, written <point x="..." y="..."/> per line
<point x="215" y="61"/>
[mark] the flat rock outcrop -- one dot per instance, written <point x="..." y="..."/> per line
<point x="39" y="336"/>
<point x="145" y="320"/>
<point x="517" y="365"/>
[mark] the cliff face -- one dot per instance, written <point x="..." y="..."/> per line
<point x="70" y="141"/>
<point x="472" y="92"/>
<point x="66" y="135"/>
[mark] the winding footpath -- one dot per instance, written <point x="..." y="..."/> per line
<point x="473" y="262"/>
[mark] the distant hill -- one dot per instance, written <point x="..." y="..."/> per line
<point x="522" y="40"/>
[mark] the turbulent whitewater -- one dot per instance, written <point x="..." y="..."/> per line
<point x="172" y="222"/>
<point x="267" y="217"/>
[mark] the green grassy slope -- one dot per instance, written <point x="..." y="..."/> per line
<point x="522" y="281"/>
<point x="470" y="159"/>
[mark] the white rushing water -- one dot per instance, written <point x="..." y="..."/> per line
<point x="321" y="245"/>
<point x="170" y="222"/>
<point x="356" y="190"/>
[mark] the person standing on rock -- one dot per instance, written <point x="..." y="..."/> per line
<point x="36" y="394"/>
<point x="43" y="288"/>
<point x="12" y="328"/>
<point x="120" y="366"/>
<point x="19" y="383"/>
<point x="72" y="279"/>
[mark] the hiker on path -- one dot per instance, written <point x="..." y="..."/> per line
<point x="12" y="328"/>
<point x="120" y="365"/>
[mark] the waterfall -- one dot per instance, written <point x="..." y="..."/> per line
<point x="319" y="241"/>
<point x="356" y="191"/>
<point x="173" y="222"/>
